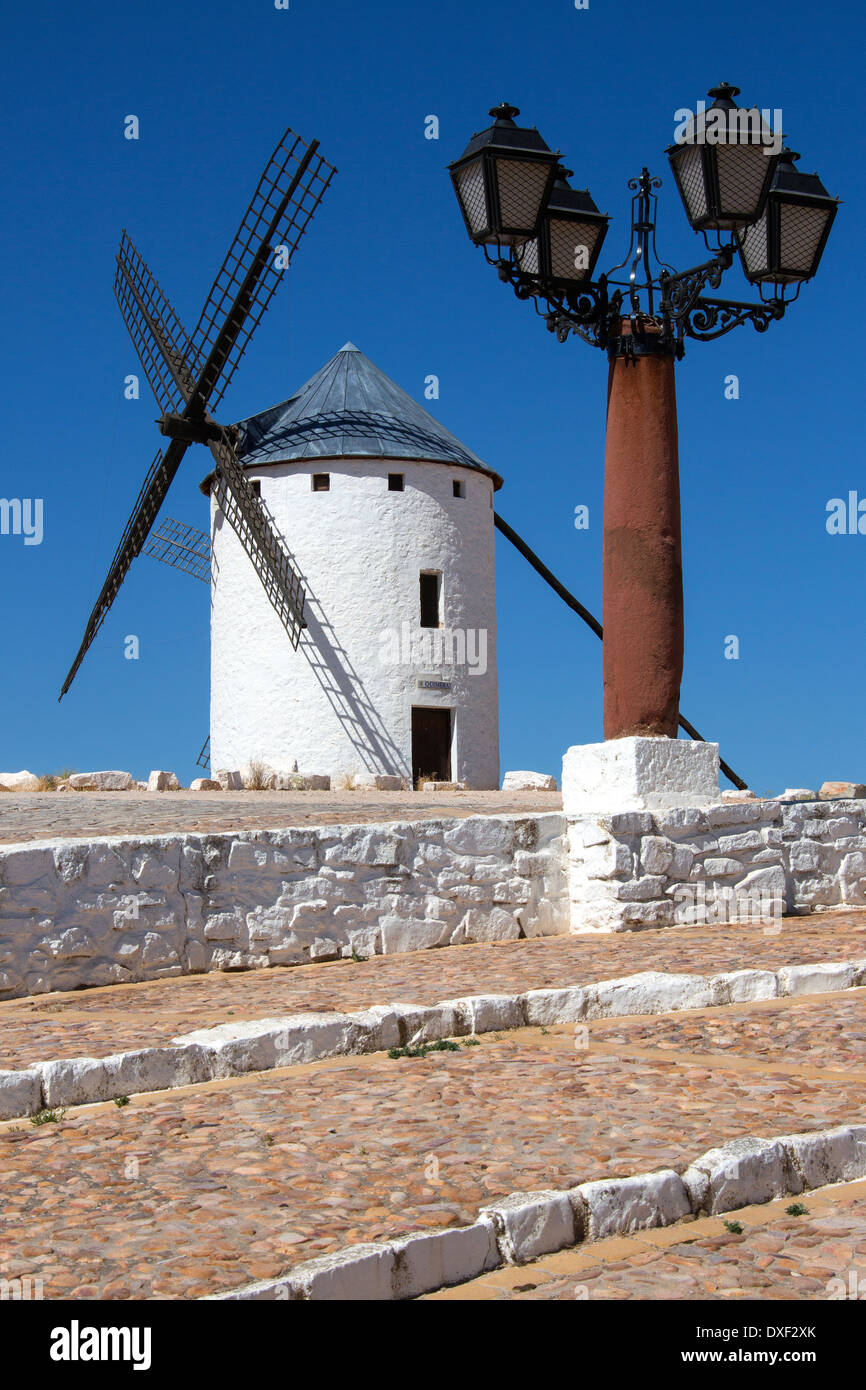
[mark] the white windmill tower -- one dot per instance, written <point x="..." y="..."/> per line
<point x="388" y="520"/>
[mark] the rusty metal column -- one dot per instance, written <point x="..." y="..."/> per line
<point x="643" y="581"/>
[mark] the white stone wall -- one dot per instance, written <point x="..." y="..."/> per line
<point x="746" y="861"/>
<point x="825" y="854"/>
<point x="77" y="913"/>
<point x="676" y="867"/>
<point x="334" y="706"/>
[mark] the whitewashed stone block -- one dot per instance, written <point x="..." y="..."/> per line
<point x="487" y="1013"/>
<point x="529" y="1224"/>
<point x="680" y="820"/>
<point x="742" y="986"/>
<point x="22" y="867"/>
<point x="650" y="992"/>
<point x="820" y="978"/>
<point x="420" y="1023"/>
<point x="528" y="782"/>
<point x="835" y="1155"/>
<point x="544" y="1006"/>
<point x="481" y="835"/>
<point x="748" y="813"/>
<point x="361" y="1273"/>
<point x="75" y="1081"/>
<point x="230" y="781"/>
<point x="19" y="781"/>
<point x="616" y="1206"/>
<point x="719" y="868"/>
<point x="639" y="774"/>
<point x="400" y="934"/>
<point x="163" y="782"/>
<point x="656" y="853"/>
<point x="20" y="1093"/>
<point x="740" y="1173"/>
<point x="495" y="924"/>
<point x="259" y="1044"/>
<point x="436" y="1259"/>
<point x="375" y="1029"/>
<point x="101" y="781"/>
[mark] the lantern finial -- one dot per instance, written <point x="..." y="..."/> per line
<point x="504" y="112"/>
<point x="724" y="93"/>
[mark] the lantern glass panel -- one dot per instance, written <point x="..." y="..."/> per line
<point x="743" y="172"/>
<point x="470" y="186"/>
<point x="522" y="184"/>
<point x="688" y="161"/>
<point x="754" y="249"/>
<point x="572" y="245"/>
<point x="800" y="233"/>
<point x="527" y="257"/>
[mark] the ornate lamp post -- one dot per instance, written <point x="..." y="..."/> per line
<point x="544" y="238"/>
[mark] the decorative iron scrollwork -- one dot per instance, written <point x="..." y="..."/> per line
<point x="593" y="311"/>
<point x="712" y="318"/>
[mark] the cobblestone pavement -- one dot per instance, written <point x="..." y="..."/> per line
<point x="821" y="1255"/>
<point x="99" y="1021"/>
<point x="826" y="1032"/>
<point x="91" y="815"/>
<point x="188" y="1192"/>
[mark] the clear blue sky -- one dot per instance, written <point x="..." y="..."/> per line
<point x="388" y="265"/>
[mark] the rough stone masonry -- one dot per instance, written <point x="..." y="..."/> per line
<point x="76" y="913"/>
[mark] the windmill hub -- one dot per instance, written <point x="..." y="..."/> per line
<point x="197" y="431"/>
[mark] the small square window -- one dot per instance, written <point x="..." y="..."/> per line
<point x="255" y="484"/>
<point x="459" y="488"/>
<point x="395" y="482"/>
<point x="321" y="482"/>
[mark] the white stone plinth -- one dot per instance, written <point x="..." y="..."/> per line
<point x="639" y="774"/>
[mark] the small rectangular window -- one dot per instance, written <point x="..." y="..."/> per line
<point x="459" y="488"/>
<point x="256" y="486"/>
<point x="430" y="593"/>
<point x="321" y="482"/>
<point x="395" y="482"/>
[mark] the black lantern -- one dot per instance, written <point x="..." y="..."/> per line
<point x="787" y="243"/>
<point x="564" y="253"/>
<point x="502" y="180"/>
<point x="723" y="163"/>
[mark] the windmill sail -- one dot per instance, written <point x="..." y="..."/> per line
<point x="287" y="196"/>
<point x="183" y="547"/>
<point x="187" y="373"/>
<point x="247" y="517"/>
<point x="150" y="499"/>
<point x="157" y="335"/>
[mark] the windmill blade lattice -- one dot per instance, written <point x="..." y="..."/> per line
<point x="162" y="346"/>
<point x="183" y="547"/>
<point x="288" y="193"/>
<point x="245" y="514"/>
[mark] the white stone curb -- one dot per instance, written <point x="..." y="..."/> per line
<point x="527" y="1225"/>
<point x="233" y="1049"/>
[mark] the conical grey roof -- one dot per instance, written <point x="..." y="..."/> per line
<point x="351" y="409"/>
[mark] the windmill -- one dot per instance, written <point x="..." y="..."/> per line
<point x="188" y="549"/>
<point x="190" y="373"/>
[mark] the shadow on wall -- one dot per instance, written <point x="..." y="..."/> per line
<point x="341" y="684"/>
